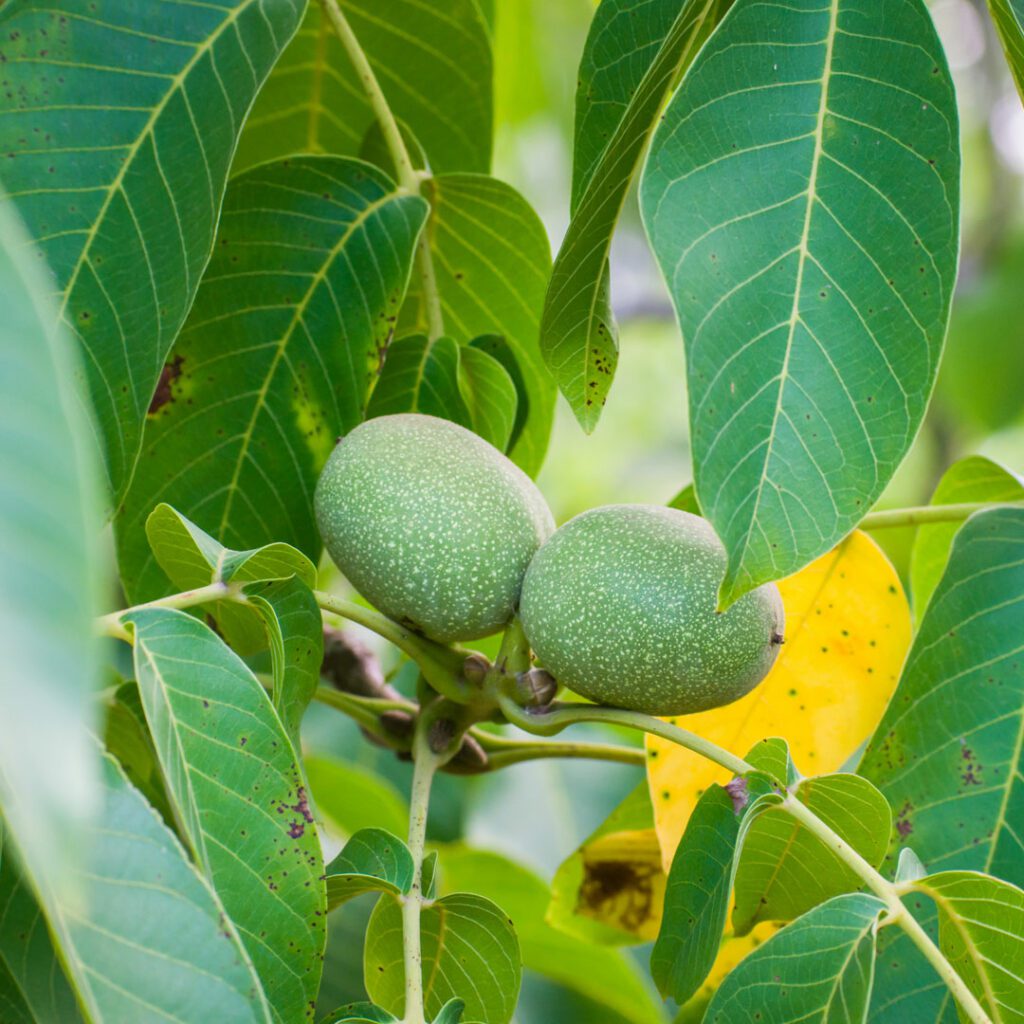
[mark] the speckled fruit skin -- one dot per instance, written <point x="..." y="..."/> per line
<point x="431" y="524"/>
<point x="620" y="606"/>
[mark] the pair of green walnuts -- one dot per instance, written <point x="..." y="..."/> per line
<point x="442" y="533"/>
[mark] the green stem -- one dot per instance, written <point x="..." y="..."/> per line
<point x="545" y="723"/>
<point x="365" y="711"/>
<point x="508" y="751"/>
<point x="921" y="514"/>
<point x="408" y="177"/>
<point x="441" y="666"/>
<point x="111" y="625"/>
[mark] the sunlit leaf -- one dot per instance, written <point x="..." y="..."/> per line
<point x="433" y="62"/>
<point x="276" y="358"/>
<point x="470" y="952"/>
<point x="847" y="632"/>
<point x="700" y="881"/>
<point x="974" y="479"/>
<point x="118" y="148"/>
<point x="605" y="975"/>
<point x="812" y="336"/>
<point x="633" y="54"/>
<point x="48" y="574"/>
<point x="237" y="790"/>
<point x="151" y="941"/>
<point x="819" y="968"/>
<point x="785" y="870"/>
<point x="372" y="861"/>
<point x="491" y="260"/>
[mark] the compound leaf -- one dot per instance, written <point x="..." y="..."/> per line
<point x="118" y="146"/>
<point x="812" y="338"/>
<point x="276" y="358"/>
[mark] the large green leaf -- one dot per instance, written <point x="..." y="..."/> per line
<point x="433" y="62"/>
<point x="981" y="933"/>
<point x="947" y="754"/>
<point x="470" y="952"/>
<point x="606" y="976"/>
<point x="118" y="148"/>
<point x="276" y="358"/>
<point x="491" y="259"/>
<point x="238" y="792"/>
<point x="420" y="374"/>
<point x="700" y="881"/>
<point x="150" y="943"/>
<point x="819" y="968"/>
<point x="633" y="55"/>
<point x="1008" y="16"/>
<point x="973" y="479"/>
<point x="372" y="861"/>
<point x="785" y="870"/>
<point x="802" y="199"/>
<point x="48" y="574"/>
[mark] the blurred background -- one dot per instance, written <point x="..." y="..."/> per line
<point x="539" y="813"/>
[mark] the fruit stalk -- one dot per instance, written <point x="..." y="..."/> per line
<point x="552" y="721"/>
<point x="408" y="177"/>
<point x="111" y="625"/>
<point x="923" y="514"/>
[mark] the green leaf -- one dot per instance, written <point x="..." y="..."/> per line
<point x="295" y="629"/>
<point x="981" y="933"/>
<point x="947" y="754"/>
<point x="771" y="756"/>
<point x="420" y="375"/>
<point x="451" y="1012"/>
<point x="700" y="881"/>
<point x="191" y="558"/>
<point x="491" y="259"/>
<point x="785" y="870"/>
<point x="118" y="150"/>
<point x="490" y="395"/>
<point x="606" y="976"/>
<point x="48" y="573"/>
<point x="1008" y="16"/>
<point x="495" y="345"/>
<point x="312" y="260"/>
<point x="433" y="62"/>
<point x="819" y="968"/>
<point x="351" y="798"/>
<point x="968" y="480"/>
<point x="470" y="952"/>
<point x="238" y="792"/>
<point x="611" y="888"/>
<point x="151" y="941"/>
<point x="360" y="1013"/>
<point x="633" y="55"/>
<point x="429" y="872"/>
<point x="686" y="501"/>
<point x="372" y="861"/>
<point x="909" y="867"/>
<point x="812" y="334"/>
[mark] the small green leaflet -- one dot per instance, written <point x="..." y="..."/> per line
<point x="1008" y="16"/>
<point x="433" y="62"/>
<point x="237" y="790"/>
<point x="785" y="870"/>
<point x="119" y="171"/>
<point x="633" y="55"/>
<point x="277" y="356"/>
<point x="372" y="861"/>
<point x="973" y="479"/>
<point x="812" y="334"/>
<point x="470" y="952"/>
<point x="491" y="260"/>
<point x="360" y="1013"/>
<point x="607" y="976"/>
<point x="451" y="1012"/>
<point x="981" y="933"/>
<point x="821" y="967"/>
<point x="191" y="967"/>
<point x="465" y="385"/>
<point x="700" y="881"/>
<point x="49" y="572"/>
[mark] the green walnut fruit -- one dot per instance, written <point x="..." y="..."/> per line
<point x="619" y="605"/>
<point x="431" y="524"/>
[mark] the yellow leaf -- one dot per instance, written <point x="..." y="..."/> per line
<point x="847" y="633"/>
